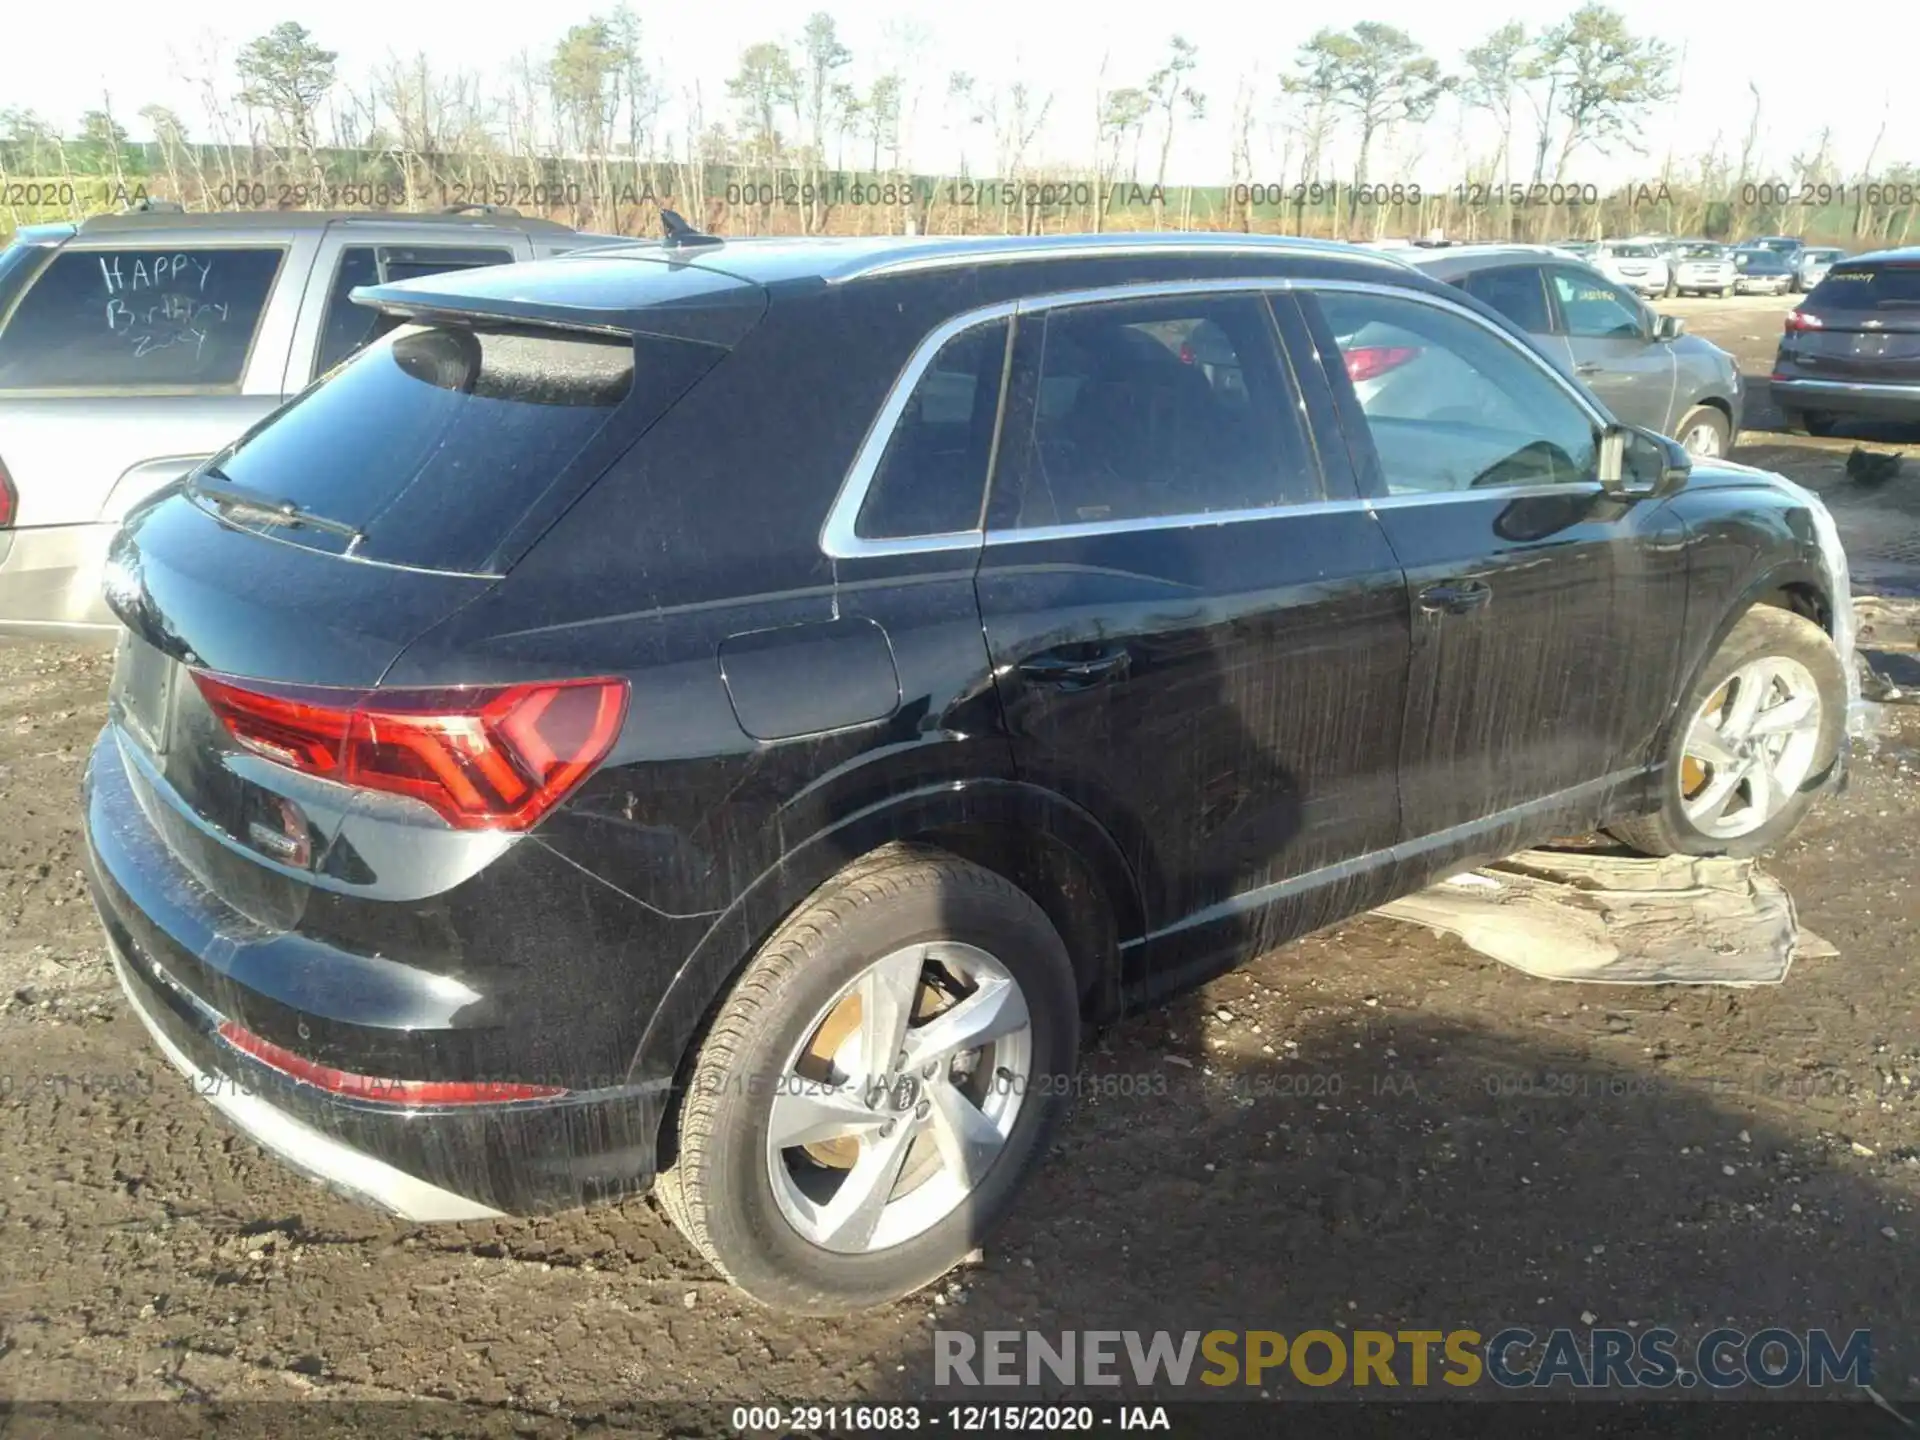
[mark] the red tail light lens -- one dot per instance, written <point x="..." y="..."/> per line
<point x="1369" y="362"/>
<point x="9" y="498"/>
<point x="1801" y="320"/>
<point x="1186" y="355"/>
<point x="377" y="1088"/>
<point x="484" y="759"/>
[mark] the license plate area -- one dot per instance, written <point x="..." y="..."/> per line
<point x="141" y="696"/>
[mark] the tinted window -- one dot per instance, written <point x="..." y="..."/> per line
<point x="435" y="440"/>
<point x="1450" y="404"/>
<point x="1594" y="309"/>
<point x="1515" y="293"/>
<point x="934" y="472"/>
<point x="1634" y="252"/>
<point x="347" y="326"/>
<point x="138" y="317"/>
<point x="1150" y="408"/>
<point x="1879" y="287"/>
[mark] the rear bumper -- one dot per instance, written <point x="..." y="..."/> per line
<point x="50" y="583"/>
<point x="428" y="1163"/>
<point x="1843" y="397"/>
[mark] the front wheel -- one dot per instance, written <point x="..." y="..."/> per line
<point x="1759" y="731"/>
<point x="877" y="1085"/>
<point x="1705" y="432"/>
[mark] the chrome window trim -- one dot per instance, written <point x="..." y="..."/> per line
<point x="839" y="542"/>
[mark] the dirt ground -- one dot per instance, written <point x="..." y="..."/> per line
<point x="1369" y="1129"/>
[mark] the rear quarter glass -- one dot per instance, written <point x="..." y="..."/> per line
<point x="438" y="440"/>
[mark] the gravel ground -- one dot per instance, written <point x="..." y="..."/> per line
<point x="1371" y="1128"/>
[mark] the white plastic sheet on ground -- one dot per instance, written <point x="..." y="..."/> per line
<point x="1621" y="920"/>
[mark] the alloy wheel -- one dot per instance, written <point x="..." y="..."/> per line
<point x="1702" y="440"/>
<point x="899" y="1099"/>
<point x="1750" y="747"/>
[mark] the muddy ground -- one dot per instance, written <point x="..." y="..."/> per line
<point x="1370" y="1129"/>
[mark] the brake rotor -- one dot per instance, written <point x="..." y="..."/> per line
<point x="1694" y="774"/>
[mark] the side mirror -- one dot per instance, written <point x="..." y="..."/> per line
<point x="1669" y="327"/>
<point x="1638" y="464"/>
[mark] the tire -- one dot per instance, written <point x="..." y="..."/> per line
<point x="732" y="1193"/>
<point x="1726" y="292"/>
<point x="1819" y="422"/>
<point x="1713" y="427"/>
<point x="1765" y="638"/>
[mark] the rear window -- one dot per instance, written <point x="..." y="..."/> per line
<point x="138" y="317"/>
<point x="1878" y="287"/>
<point x="438" y="439"/>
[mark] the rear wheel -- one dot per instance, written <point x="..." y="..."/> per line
<point x="1705" y="432"/>
<point x="1760" y="729"/>
<point x="873" y="1091"/>
<point x="1818" y="422"/>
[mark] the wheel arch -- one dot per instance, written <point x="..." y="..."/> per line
<point x="1051" y="848"/>
<point x="1797" y="586"/>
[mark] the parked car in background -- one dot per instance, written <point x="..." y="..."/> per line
<point x="1851" y="349"/>
<point x="134" y="346"/>
<point x="1762" y="271"/>
<point x="1780" y="244"/>
<point x="1640" y="268"/>
<point x="1644" y="367"/>
<point x="1813" y="263"/>
<point x="610" y="734"/>
<point x="1705" y="268"/>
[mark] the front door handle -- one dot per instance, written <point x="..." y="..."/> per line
<point x="1589" y="368"/>
<point x="1065" y="670"/>
<point x="1455" y="597"/>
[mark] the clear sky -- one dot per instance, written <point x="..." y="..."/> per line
<point x="142" y="53"/>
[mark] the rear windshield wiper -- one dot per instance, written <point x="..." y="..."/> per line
<point x="237" y="500"/>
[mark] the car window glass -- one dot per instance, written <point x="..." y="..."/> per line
<point x="1450" y="404"/>
<point x="1142" y="409"/>
<point x="932" y="477"/>
<point x="1515" y="292"/>
<point x="138" y="317"/>
<point x="346" y="326"/>
<point x="1876" y="287"/>
<point x="1594" y="309"/>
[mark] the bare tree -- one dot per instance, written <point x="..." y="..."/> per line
<point x="1172" y="96"/>
<point x="1491" y="78"/>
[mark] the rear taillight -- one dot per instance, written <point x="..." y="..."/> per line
<point x="496" y="758"/>
<point x="1369" y="362"/>
<point x="378" y="1089"/>
<point x="9" y="498"/>
<point x="1800" y="320"/>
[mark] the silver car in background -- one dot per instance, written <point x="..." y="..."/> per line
<point x="1704" y="268"/>
<point x="1643" y="367"/>
<point x="132" y="347"/>
<point x="1638" y="266"/>
<point x="1812" y="264"/>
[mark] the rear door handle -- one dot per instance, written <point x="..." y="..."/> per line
<point x="1066" y="671"/>
<point x="1455" y="597"/>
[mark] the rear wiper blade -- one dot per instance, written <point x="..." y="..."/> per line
<point x="234" y="498"/>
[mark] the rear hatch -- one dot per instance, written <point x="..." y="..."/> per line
<point x="301" y="560"/>
<point x="1861" y="324"/>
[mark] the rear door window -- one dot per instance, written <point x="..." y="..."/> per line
<point x="1139" y="410"/>
<point x="1516" y="293"/>
<point x="346" y="326"/>
<point x="139" y="317"/>
<point x="437" y="440"/>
